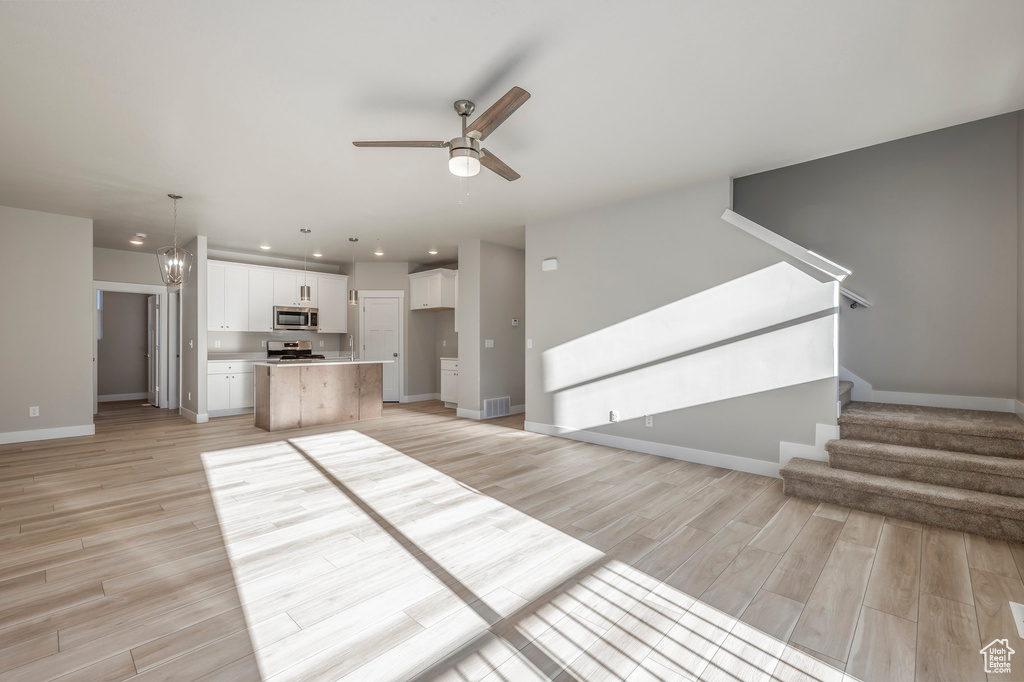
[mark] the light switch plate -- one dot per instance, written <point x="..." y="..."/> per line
<point x="488" y="343"/>
<point x="529" y="343"/>
<point x="216" y="344"/>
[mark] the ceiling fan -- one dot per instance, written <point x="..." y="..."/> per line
<point x="465" y="155"/>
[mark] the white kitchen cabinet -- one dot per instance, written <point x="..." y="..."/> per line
<point x="332" y="294"/>
<point x="450" y="380"/>
<point x="229" y="387"/>
<point x="432" y="290"/>
<point x="261" y="300"/>
<point x="286" y="288"/>
<point x="227" y="302"/>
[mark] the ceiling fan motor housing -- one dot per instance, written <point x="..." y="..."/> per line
<point x="464" y="156"/>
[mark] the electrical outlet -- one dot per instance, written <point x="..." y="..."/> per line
<point x="321" y="344"/>
<point x="444" y="343"/>
<point x="488" y="343"/>
<point x="648" y="420"/>
<point x="33" y="411"/>
<point x="529" y="343"/>
<point x="613" y="416"/>
<point x="515" y="322"/>
<point x="190" y="396"/>
<point x="264" y="344"/>
<point x="216" y="344"/>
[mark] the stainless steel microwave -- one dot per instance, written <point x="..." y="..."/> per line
<point x="287" y="317"/>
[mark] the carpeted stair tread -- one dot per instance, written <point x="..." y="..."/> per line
<point x="960" y="461"/>
<point x="970" y="511"/>
<point x="845" y="387"/>
<point x="935" y="419"/>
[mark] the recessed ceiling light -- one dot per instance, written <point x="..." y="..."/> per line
<point x="137" y="239"/>
<point x="432" y="252"/>
<point x="378" y="252"/>
<point x="265" y="247"/>
<point x="317" y="254"/>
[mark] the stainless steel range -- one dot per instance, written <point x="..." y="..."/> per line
<point x="291" y="351"/>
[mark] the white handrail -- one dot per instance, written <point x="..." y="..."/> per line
<point x="833" y="270"/>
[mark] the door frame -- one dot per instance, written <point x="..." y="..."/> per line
<point x="163" y="347"/>
<point x="383" y="293"/>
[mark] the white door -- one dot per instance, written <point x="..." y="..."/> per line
<point x="381" y="338"/>
<point x="151" y="351"/>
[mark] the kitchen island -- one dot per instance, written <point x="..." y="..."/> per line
<point x="313" y="393"/>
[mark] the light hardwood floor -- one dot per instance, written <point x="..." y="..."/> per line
<point x="424" y="546"/>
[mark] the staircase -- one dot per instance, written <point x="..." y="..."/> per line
<point x="959" y="469"/>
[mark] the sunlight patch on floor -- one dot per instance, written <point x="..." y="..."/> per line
<point x="355" y="561"/>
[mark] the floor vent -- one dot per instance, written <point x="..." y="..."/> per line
<point x="497" y="407"/>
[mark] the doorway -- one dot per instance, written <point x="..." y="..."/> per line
<point x="381" y="337"/>
<point x="134" y="347"/>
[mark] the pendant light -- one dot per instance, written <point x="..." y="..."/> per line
<point x="304" y="296"/>
<point x="175" y="264"/>
<point x="353" y="295"/>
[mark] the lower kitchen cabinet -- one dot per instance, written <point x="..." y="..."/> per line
<point x="229" y="388"/>
<point x="450" y="380"/>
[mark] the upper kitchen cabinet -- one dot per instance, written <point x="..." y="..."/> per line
<point x="432" y="290"/>
<point x="333" y="298"/>
<point x="286" y="288"/>
<point x="261" y="300"/>
<point x="227" y="297"/>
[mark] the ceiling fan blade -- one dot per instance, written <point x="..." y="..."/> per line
<point x="485" y="124"/>
<point x="493" y="163"/>
<point x="401" y="143"/>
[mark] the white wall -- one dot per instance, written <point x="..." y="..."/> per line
<point x="194" y="335"/>
<point x="929" y="225"/>
<point x="1020" y="264"/>
<point x="136" y="267"/>
<point x="638" y="274"/>
<point x="121" y="364"/>
<point x="45" y="286"/>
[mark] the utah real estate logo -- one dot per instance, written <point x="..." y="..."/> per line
<point x="997" y="656"/>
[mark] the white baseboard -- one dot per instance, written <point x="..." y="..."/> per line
<point x="718" y="459"/>
<point x="1018" y="408"/>
<point x="452" y="406"/>
<point x="479" y="414"/>
<point x="863" y="392"/>
<point x="823" y="433"/>
<point x="229" y="413"/>
<point x="420" y="398"/>
<point x="116" y="397"/>
<point x="47" y="434"/>
<point x="193" y="417"/>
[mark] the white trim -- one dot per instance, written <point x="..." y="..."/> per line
<point x="517" y="409"/>
<point x="856" y="298"/>
<point x="823" y="433"/>
<point x="479" y="414"/>
<point x="745" y="464"/>
<point x="468" y="413"/>
<point x="193" y="417"/>
<point x="47" y="434"/>
<point x="380" y="293"/>
<point x="115" y="397"/>
<point x="419" y="397"/>
<point x="1018" y="408"/>
<point x="165" y="347"/>
<point x="230" y="412"/>
<point x="452" y="406"/>
<point x="863" y="392"/>
<point x="816" y="261"/>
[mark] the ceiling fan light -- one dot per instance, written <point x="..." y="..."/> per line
<point x="463" y="166"/>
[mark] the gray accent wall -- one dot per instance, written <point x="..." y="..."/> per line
<point x="45" y="286"/>
<point x="502" y="299"/>
<point x="1020" y="264"/>
<point x="929" y="225"/>
<point x="121" y="365"/>
<point x="620" y="261"/>
<point x="470" y="340"/>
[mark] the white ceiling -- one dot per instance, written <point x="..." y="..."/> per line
<point x="248" y="108"/>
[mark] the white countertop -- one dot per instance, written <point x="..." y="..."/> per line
<point x="260" y="357"/>
<point x="325" y="361"/>
<point x="456" y="359"/>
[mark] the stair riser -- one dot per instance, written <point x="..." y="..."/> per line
<point x="986" y="483"/>
<point x="912" y="510"/>
<point x="845" y="398"/>
<point x="978" y="445"/>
